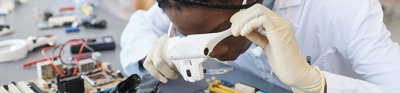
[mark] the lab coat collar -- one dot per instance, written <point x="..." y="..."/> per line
<point x="287" y="3"/>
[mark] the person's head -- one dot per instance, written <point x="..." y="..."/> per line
<point x="208" y="16"/>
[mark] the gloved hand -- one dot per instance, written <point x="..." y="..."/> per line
<point x="157" y="63"/>
<point x="280" y="46"/>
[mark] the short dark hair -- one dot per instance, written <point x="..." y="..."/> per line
<point x="177" y="4"/>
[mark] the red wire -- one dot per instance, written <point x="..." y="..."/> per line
<point x="79" y="56"/>
<point x="41" y="60"/>
<point x="48" y="58"/>
<point x="37" y="61"/>
<point x="71" y="42"/>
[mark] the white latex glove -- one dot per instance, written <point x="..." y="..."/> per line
<point x="280" y="46"/>
<point x="157" y="63"/>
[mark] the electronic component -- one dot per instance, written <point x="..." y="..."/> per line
<point x="4" y="26"/>
<point x="23" y="87"/>
<point x="66" y="8"/>
<point x="70" y="84"/>
<point x="47" y="15"/>
<point x="105" y="67"/>
<point x="97" y="79"/>
<point x="87" y="10"/>
<point x="95" y="23"/>
<point x="71" y="29"/>
<point x="3" y="90"/>
<point x="244" y="88"/>
<point x="87" y="65"/>
<point x="74" y="28"/>
<point x="222" y="86"/>
<point x="5" y="29"/>
<point x="52" y="87"/>
<point x="12" y="88"/>
<point x="35" y="88"/>
<point x="129" y="85"/>
<point x="41" y="83"/>
<point x="97" y="44"/>
<point x="216" y="86"/>
<point x="61" y="20"/>
<point x="119" y="74"/>
<point x="46" y="71"/>
<point x="83" y="56"/>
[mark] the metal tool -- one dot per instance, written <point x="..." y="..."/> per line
<point x="217" y="71"/>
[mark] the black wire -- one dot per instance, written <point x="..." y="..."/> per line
<point x="155" y="89"/>
<point x="219" y="6"/>
<point x="52" y="53"/>
<point x="62" y="48"/>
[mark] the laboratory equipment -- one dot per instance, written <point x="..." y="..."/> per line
<point x="14" y="49"/>
<point x="189" y="52"/>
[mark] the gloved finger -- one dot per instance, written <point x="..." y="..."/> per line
<point x="235" y="29"/>
<point x="164" y="68"/>
<point x="258" y="39"/>
<point x="253" y="24"/>
<point x="149" y="66"/>
<point x="236" y="24"/>
<point x="239" y="19"/>
<point x="249" y="13"/>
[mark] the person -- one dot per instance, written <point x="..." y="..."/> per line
<point x="346" y="44"/>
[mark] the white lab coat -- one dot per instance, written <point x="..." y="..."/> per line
<point x="345" y="38"/>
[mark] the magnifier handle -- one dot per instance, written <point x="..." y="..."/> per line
<point x="191" y="70"/>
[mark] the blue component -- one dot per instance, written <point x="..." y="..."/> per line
<point x="72" y="29"/>
<point x="227" y="83"/>
<point x="108" y="89"/>
<point x="262" y="91"/>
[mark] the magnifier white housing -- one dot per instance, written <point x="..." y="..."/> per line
<point x="15" y="49"/>
<point x="189" y="52"/>
<point x="12" y="49"/>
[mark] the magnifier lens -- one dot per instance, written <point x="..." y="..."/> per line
<point x="9" y="47"/>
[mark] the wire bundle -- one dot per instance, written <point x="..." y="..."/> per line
<point x="70" y="42"/>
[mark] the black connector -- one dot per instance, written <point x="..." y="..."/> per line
<point x="95" y="23"/>
<point x="35" y="88"/>
<point x="127" y="86"/>
<point x="97" y="44"/>
<point x="70" y="84"/>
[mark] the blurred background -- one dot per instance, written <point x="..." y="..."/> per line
<point x="124" y="8"/>
<point x="391" y="9"/>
